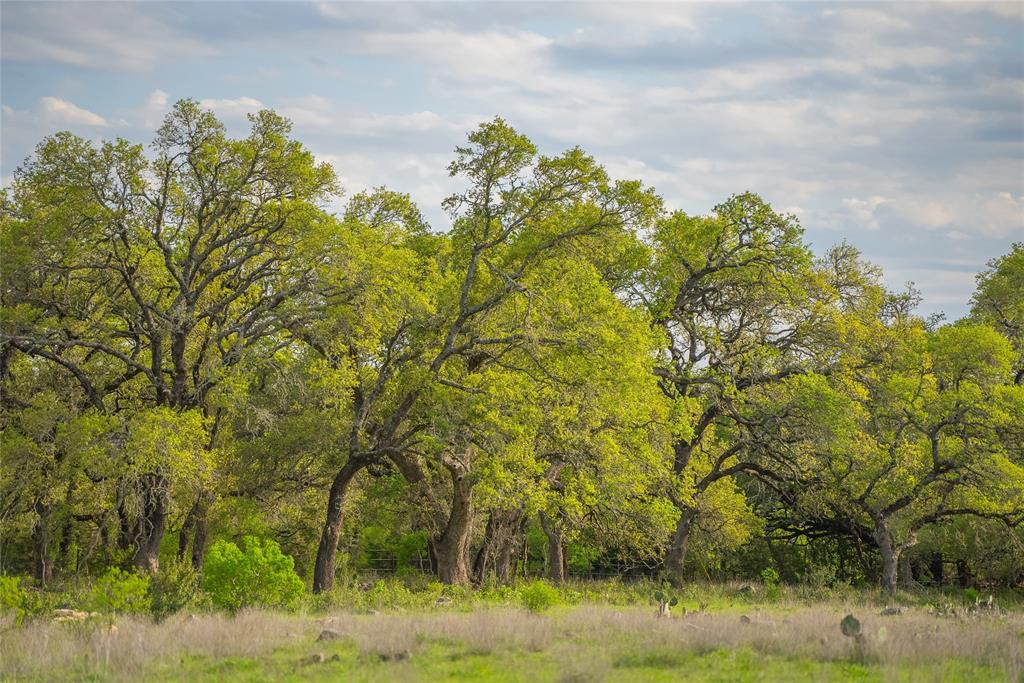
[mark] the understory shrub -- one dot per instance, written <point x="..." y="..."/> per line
<point x="539" y="595"/>
<point x="12" y="599"/>
<point x="256" y="574"/>
<point x="173" y="588"/>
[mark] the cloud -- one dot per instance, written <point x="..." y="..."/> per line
<point x="97" y="35"/>
<point x="896" y="127"/>
<point x="68" y="112"/>
<point x="232" y="108"/>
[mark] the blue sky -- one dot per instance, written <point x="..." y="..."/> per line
<point x="897" y="127"/>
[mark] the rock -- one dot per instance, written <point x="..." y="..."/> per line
<point x="443" y="600"/>
<point x="744" y="619"/>
<point x="72" y="615"/>
<point x="891" y="611"/>
<point x="328" y="634"/>
<point x="315" y="658"/>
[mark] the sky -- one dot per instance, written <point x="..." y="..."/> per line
<point x="898" y="128"/>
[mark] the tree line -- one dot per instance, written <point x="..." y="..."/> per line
<point x="194" y="346"/>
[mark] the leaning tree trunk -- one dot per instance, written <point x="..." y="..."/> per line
<point x="153" y="522"/>
<point x="675" y="556"/>
<point x="452" y="547"/>
<point x="326" y="554"/>
<point x="556" y="549"/>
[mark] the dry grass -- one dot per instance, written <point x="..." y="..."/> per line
<point x="592" y="639"/>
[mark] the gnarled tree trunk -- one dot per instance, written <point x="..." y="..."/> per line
<point x="152" y="523"/>
<point x="452" y="547"/>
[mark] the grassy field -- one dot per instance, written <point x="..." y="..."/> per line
<point x="736" y="637"/>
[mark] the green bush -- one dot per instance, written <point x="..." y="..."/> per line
<point x="12" y="598"/>
<point x="539" y="595"/>
<point x="120" y="592"/>
<point x="769" y="577"/>
<point x="257" y="574"/>
<point x="173" y="588"/>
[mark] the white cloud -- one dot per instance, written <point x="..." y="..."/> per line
<point x="232" y="108"/>
<point x="155" y="107"/>
<point x="68" y="112"/>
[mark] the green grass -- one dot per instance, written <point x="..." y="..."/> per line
<point x="600" y="632"/>
<point x="440" y="662"/>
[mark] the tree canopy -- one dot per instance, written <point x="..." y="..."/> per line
<point x="196" y="348"/>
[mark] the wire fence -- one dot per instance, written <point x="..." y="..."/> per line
<point x="384" y="563"/>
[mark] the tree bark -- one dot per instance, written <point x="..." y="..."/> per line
<point x="326" y="554"/>
<point x="675" y="557"/>
<point x="556" y="549"/>
<point x="936" y="569"/>
<point x="43" y="562"/>
<point x="890" y="553"/>
<point x="153" y="523"/>
<point x="499" y="547"/>
<point x="488" y="549"/>
<point x="965" y="577"/>
<point x="906" y="572"/>
<point x="452" y="547"/>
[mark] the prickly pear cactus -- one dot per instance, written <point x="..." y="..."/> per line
<point x="850" y="626"/>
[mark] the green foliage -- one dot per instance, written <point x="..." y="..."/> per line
<point x="173" y="588"/>
<point x="258" y="573"/>
<point x="120" y="592"/>
<point x="12" y="597"/>
<point x="189" y="333"/>
<point x="539" y="595"/>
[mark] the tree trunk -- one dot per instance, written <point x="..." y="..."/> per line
<point x="556" y="549"/>
<point x="488" y="549"/>
<point x="323" y="570"/>
<point x="936" y="569"/>
<point x="964" y="575"/>
<point x="43" y="563"/>
<point x="890" y="558"/>
<point x="500" y="538"/>
<point x="675" y="556"/>
<point x="452" y="548"/>
<point x="153" y="522"/>
<point x="199" y="538"/>
<point x="186" y="528"/>
<point x="503" y="566"/>
<point x="906" y="572"/>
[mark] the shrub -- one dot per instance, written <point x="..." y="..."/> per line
<point x="539" y="595"/>
<point x="12" y="598"/>
<point x="173" y="588"/>
<point x="769" y="576"/>
<point x="120" y="592"/>
<point x="257" y="574"/>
